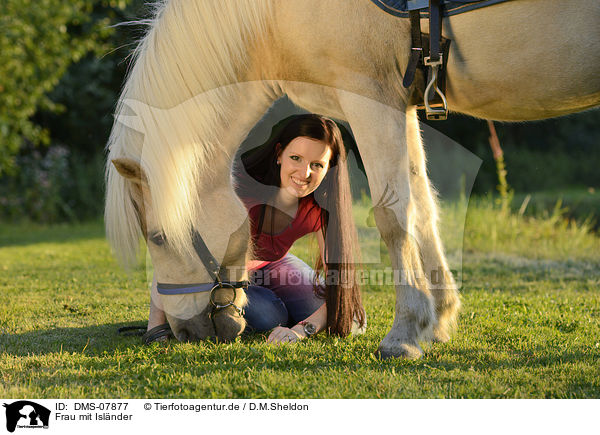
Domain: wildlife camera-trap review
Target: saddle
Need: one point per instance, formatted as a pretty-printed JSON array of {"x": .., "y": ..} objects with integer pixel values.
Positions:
[{"x": 429, "y": 52}]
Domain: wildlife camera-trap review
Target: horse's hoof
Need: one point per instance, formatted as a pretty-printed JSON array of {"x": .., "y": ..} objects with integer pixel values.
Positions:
[{"x": 404, "y": 350}]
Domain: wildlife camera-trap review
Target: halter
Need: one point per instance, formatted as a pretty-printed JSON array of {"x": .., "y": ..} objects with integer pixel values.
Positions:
[{"x": 214, "y": 270}]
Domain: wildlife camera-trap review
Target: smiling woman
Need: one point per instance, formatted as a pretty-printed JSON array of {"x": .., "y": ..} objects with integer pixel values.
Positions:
[
  {"x": 297, "y": 183},
  {"x": 304, "y": 163}
]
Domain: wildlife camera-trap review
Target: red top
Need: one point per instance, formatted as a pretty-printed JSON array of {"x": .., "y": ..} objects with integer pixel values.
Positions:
[{"x": 269, "y": 247}]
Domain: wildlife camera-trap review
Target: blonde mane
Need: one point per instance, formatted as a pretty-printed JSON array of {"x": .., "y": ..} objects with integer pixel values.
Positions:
[{"x": 176, "y": 96}]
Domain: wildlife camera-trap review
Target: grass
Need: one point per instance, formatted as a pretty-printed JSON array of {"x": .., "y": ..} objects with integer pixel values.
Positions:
[
  {"x": 530, "y": 325},
  {"x": 576, "y": 203}
]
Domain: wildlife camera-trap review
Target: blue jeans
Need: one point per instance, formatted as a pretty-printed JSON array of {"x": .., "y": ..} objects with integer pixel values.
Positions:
[{"x": 280, "y": 294}]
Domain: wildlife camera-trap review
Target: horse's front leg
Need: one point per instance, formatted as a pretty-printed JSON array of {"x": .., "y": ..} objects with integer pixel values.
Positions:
[
  {"x": 381, "y": 134},
  {"x": 438, "y": 275}
]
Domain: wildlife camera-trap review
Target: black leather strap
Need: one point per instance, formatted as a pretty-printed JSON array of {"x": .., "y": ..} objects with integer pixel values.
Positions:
[
  {"x": 216, "y": 272},
  {"x": 158, "y": 333},
  {"x": 416, "y": 51},
  {"x": 435, "y": 30},
  {"x": 210, "y": 263},
  {"x": 427, "y": 46}
]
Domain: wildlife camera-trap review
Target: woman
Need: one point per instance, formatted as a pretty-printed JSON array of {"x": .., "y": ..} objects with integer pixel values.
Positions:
[{"x": 295, "y": 184}]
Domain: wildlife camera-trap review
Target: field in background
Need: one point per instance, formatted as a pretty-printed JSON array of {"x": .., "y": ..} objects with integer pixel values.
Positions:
[{"x": 530, "y": 324}]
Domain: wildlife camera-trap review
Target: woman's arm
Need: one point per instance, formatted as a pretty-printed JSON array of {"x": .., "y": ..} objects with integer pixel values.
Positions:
[
  {"x": 318, "y": 318},
  {"x": 285, "y": 335}
]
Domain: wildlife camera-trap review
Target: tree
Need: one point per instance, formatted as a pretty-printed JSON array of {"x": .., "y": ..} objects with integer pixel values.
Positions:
[{"x": 39, "y": 39}]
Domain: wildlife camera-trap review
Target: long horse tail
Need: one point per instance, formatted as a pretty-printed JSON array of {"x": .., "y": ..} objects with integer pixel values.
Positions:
[{"x": 191, "y": 48}]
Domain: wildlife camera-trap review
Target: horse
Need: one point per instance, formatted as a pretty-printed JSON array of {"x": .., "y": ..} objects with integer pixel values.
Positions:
[{"x": 207, "y": 71}]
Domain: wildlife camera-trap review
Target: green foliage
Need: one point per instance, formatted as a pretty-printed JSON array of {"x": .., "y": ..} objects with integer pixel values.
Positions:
[
  {"x": 63, "y": 180},
  {"x": 35, "y": 191},
  {"x": 53, "y": 186},
  {"x": 550, "y": 235},
  {"x": 581, "y": 205},
  {"x": 550, "y": 154},
  {"x": 39, "y": 39},
  {"x": 531, "y": 170}
]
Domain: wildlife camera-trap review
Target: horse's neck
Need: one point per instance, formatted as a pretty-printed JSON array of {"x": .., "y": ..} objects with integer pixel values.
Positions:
[{"x": 242, "y": 106}]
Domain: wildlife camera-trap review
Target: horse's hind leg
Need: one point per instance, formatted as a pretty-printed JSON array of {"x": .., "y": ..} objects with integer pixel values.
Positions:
[
  {"x": 437, "y": 272},
  {"x": 380, "y": 133}
]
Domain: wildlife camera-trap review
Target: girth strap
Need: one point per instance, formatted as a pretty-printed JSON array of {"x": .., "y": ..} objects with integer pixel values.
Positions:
[{"x": 435, "y": 30}]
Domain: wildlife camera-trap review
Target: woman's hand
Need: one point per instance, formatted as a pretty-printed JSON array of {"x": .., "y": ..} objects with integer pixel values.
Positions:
[{"x": 283, "y": 335}]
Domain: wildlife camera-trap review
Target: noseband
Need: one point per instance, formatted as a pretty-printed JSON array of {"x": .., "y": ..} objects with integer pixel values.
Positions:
[{"x": 217, "y": 287}]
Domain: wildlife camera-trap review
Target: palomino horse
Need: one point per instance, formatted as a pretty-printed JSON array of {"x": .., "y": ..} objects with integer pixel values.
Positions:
[{"x": 206, "y": 72}]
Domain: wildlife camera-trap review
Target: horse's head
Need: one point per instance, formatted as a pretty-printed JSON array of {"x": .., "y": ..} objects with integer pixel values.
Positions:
[{"x": 191, "y": 314}]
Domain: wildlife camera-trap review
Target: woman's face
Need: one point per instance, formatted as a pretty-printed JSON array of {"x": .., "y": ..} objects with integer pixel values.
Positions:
[{"x": 303, "y": 165}]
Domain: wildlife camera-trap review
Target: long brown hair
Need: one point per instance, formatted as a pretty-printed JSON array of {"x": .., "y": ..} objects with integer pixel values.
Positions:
[{"x": 341, "y": 291}]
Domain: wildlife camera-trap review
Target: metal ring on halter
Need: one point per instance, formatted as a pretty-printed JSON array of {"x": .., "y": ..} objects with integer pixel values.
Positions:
[{"x": 219, "y": 307}]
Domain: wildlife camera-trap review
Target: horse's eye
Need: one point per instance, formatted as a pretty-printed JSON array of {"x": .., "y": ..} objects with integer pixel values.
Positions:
[{"x": 158, "y": 239}]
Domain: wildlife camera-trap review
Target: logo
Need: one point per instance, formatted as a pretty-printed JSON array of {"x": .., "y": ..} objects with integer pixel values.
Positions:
[{"x": 26, "y": 414}]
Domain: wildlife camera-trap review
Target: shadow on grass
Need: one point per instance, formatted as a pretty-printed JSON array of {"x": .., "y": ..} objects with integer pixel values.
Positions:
[
  {"x": 105, "y": 339},
  {"x": 96, "y": 340},
  {"x": 87, "y": 340}
]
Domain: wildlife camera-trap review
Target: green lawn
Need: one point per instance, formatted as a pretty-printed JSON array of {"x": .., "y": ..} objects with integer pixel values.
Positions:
[{"x": 530, "y": 325}]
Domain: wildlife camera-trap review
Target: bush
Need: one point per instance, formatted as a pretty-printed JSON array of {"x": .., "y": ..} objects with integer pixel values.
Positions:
[
  {"x": 53, "y": 185},
  {"x": 60, "y": 76}
]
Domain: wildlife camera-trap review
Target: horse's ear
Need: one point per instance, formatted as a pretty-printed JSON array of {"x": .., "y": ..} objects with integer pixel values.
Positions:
[
  {"x": 133, "y": 172},
  {"x": 130, "y": 170}
]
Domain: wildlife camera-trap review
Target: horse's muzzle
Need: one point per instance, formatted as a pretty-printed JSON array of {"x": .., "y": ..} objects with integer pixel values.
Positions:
[{"x": 228, "y": 323}]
